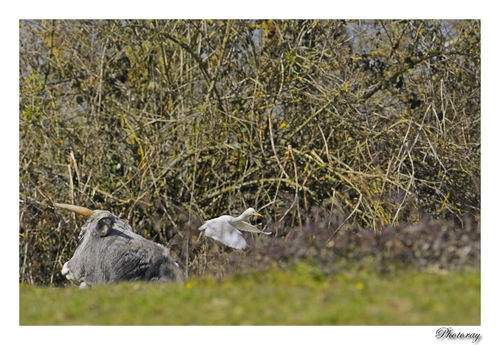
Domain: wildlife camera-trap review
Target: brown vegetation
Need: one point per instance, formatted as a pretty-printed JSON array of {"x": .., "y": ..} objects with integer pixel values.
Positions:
[{"x": 351, "y": 124}]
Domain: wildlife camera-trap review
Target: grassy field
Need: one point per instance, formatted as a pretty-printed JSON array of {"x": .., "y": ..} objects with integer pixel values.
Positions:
[{"x": 294, "y": 297}]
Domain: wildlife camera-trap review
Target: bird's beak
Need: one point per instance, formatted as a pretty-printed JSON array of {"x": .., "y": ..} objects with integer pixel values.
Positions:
[{"x": 257, "y": 214}]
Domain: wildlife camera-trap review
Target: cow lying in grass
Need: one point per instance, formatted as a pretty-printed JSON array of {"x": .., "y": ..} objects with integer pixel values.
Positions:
[{"x": 109, "y": 251}]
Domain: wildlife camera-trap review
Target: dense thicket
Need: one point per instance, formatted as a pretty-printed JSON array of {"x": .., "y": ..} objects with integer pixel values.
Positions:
[{"x": 167, "y": 123}]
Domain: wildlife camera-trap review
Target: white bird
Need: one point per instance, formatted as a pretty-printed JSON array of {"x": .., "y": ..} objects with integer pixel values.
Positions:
[{"x": 226, "y": 229}]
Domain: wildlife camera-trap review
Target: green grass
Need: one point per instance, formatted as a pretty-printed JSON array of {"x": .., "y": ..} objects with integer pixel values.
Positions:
[{"x": 275, "y": 297}]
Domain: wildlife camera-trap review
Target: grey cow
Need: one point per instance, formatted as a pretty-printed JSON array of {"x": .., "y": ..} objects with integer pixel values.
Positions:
[{"x": 109, "y": 252}]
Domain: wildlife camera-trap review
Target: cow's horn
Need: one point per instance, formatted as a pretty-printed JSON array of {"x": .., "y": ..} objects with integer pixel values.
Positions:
[{"x": 77, "y": 209}]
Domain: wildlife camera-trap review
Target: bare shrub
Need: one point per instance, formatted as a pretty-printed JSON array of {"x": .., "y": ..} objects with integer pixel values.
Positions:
[{"x": 167, "y": 123}]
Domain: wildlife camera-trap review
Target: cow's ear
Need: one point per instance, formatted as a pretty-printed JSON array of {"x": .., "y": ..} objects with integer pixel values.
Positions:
[{"x": 104, "y": 226}]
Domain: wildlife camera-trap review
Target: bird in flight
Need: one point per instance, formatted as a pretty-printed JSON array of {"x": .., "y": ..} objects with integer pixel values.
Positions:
[{"x": 226, "y": 229}]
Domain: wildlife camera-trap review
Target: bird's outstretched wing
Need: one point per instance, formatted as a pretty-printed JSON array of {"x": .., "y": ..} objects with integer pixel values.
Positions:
[
  {"x": 226, "y": 234},
  {"x": 244, "y": 226}
]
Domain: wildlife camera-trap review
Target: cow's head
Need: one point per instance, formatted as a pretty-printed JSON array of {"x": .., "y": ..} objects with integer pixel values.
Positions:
[{"x": 109, "y": 251}]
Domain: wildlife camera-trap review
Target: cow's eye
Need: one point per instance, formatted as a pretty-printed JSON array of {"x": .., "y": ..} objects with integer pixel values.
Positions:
[{"x": 104, "y": 226}]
